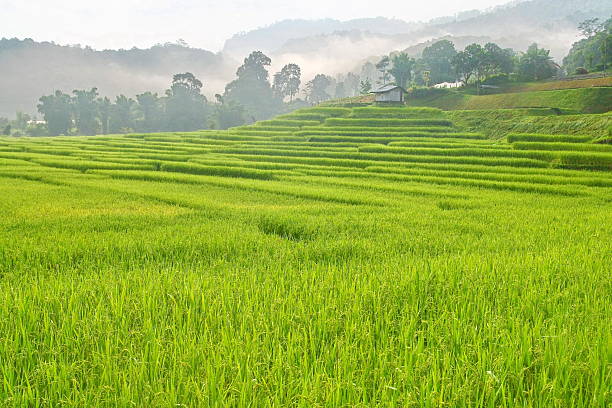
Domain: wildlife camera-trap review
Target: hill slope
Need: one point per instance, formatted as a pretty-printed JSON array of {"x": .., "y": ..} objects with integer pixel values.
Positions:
[{"x": 339, "y": 257}]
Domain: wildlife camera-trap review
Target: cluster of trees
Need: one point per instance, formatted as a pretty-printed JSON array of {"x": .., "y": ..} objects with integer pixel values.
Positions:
[
  {"x": 441, "y": 62},
  {"x": 183, "y": 107},
  {"x": 594, "y": 51}
]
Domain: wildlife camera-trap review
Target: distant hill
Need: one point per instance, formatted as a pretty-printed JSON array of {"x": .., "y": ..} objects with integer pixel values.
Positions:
[
  {"x": 332, "y": 47},
  {"x": 30, "y": 69}
]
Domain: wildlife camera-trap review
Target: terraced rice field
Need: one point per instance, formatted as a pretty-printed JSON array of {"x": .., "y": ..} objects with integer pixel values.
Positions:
[{"x": 330, "y": 257}]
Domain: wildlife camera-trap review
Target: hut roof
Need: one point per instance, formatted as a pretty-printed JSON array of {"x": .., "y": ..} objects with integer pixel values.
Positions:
[{"x": 387, "y": 88}]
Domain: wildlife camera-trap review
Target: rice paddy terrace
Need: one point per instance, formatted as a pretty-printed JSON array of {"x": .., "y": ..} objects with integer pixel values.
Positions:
[{"x": 329, "y": 257}]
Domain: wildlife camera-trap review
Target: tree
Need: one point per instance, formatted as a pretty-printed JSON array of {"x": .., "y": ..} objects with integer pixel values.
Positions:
[
  {"x": 122, "y": 115},
  {"x": 228, "y": 113},
  {"x": 369, "y": 72},
  {"x": 251, "y": 89},
  {"x": 85, "y": 107},
  {"x": 591, "y": 53},
  {"x": 470, "y": 62},
  {"x": 351, "y": 84},
  {"x": 57, "y": 112},
  {"x": 104, "y": 110},
  {"x": 536, "y": 64},
  {"x": 185, "y": 104},
  {"x": 149, "y": 106},
  {"x": 590, "y": 27},
  {"x": 382, "y": 67},
  {"x": 287, "y": 82},
  {"x": 497, "y": 60},
  {"x": 340, "y": 91},
  {"x": 402, "y": 69},
  {"x": 316, "y": 90},
  {"x": 438, "y": 60},
  {"x": 365, "y": 87}
]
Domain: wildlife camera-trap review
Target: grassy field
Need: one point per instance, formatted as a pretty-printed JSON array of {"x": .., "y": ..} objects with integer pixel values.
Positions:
[
  {"x": 582, "y": 100},
  {"x": 332, "y": 257}
]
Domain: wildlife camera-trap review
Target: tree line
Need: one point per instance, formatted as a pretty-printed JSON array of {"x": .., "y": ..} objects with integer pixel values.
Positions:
[{"x": 252, "y": 96}]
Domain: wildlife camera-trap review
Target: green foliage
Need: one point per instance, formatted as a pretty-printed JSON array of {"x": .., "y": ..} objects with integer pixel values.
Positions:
[
  {"x": 593, "y": 53},
  {"x": 437, "y": 59},
  {"x": 401, "y": 70},
  {"x": 251, "y": 89},
  {"x": 56, "y": 109},
  {"x": 287, "y": 82},
  {"x": 316, "y": 89},
  {"x": 536, "y": 64}
]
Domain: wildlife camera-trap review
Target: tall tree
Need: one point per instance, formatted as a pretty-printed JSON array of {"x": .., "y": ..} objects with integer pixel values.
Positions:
[
  {"x": 287, "y": 82},
  {"x": 351, "y": 84},
  {"x": 382, "y": 66},
  {"x": 150, "y": 109},
  {"x": 122, "y": 115},
  {"x": 57, "y": 112},
  {"x": 536, "y": 64},
  {"x": 185, "y": 105},
  {"x": 438, "y": 60},
  {"x": 470, "y": 63},
  {"x": 104, "y": 110},
  {"x": 316, "y": 90},
  {"x": 252, "y": 89},
  {"x": 402, "y": 69},
  {"x": 497, "y": 60},
  {"x": 85, "y": 108}
]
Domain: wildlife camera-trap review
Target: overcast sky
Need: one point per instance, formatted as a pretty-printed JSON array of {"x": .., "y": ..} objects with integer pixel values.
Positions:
[{"x": 202, "y": 23}]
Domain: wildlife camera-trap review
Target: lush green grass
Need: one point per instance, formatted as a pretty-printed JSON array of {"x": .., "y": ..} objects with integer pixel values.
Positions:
[
  {"x": 583, "y": 100},
  {"x": 223, "y": 269},
  {"x": 499, "y": 123}
]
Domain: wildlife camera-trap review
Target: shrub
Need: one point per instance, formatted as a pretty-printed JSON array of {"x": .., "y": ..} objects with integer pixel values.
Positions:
[{"x": 581, "y": 71}]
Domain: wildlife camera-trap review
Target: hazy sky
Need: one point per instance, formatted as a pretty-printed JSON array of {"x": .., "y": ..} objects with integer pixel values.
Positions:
[{"x": 202, "y": 23}]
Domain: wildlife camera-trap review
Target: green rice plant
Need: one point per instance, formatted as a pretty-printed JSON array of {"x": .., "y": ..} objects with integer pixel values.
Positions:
[
  {"x": 319, "y": 117},
  {"x": 506, "y": 177},
  {"x": 584, "y": 160},
  {"x": 523, "y": 137},
  {"x": 84, "y": 165},
  {"x": 365, "y": 129},
  {"x": 268, "y": 128},
  {"x": 590, "y": 147},
  {"x": 255, "y": 132},
  {"x": 286, "y": 122},
  {"x": 387, "y": 122},
  {"x": 397, "y": 113},
  {"x": 474, "y": 151},
  {"x": 373, "y": 134},
  {"x": 222, "y": 171},
  {"x": 327, "y": 110},
  {"x": 277, "y": 271}
]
